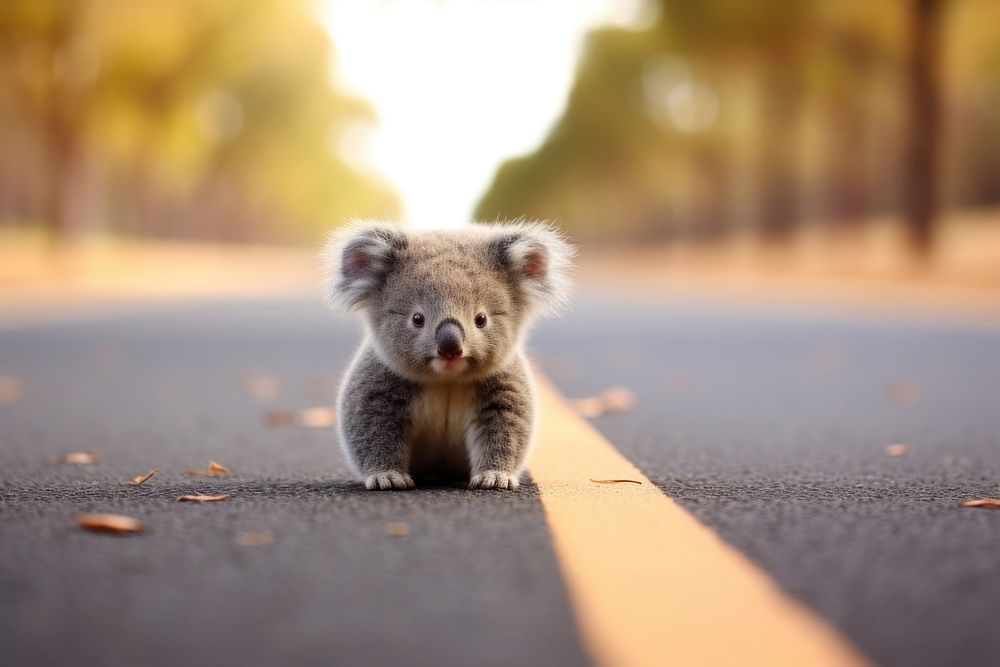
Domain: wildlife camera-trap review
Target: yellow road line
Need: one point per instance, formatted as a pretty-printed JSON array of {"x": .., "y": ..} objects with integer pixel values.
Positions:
[{"x": 649, "y": 584}]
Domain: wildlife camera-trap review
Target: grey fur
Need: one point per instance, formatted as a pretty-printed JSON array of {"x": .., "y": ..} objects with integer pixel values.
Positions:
[{"x": 403, "y": 411}]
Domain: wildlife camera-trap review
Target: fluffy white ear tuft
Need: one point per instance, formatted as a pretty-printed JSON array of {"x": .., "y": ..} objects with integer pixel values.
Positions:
[
  {"x": 538, "y": 260},
  {"x": 358, "y": 260}
]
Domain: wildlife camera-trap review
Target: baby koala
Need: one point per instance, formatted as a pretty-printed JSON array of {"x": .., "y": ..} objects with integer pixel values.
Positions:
[{"x": 440, "y": 386}]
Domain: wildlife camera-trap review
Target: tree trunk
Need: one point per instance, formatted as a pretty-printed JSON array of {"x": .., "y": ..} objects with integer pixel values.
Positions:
[
  {"x": 62, "y": 214},
  {"x": 777, "y": 181},
  {"x": 847, "y": 165},
  {"x": 922, "y": 153},
  {"x": 65, "y": 180}
]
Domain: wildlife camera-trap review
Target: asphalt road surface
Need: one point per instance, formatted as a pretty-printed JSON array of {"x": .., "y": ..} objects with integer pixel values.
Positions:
[{"x": 769, "y": 427}]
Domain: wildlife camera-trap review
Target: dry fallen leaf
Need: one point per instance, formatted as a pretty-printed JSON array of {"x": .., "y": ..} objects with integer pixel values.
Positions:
[
  {"x": 253, "y": 538},
  {"x": 896, "y": 450},
  {"x": 588, "y": 407},
  {"x": 214, "y": 470},
  {"x": 619, "y": 399},
  {"x": 110, "y": 523},
  {"x": 10, "y": 389},
  {"x": 398, "y": 529},
  {"x": 991, "y": 503},
  {"x": 317, "y": 417},
  {"x": 78, "y": 458},
  {"x": 309, "y": 417},
  {"x": 275, "y": 418},
  {"x": 261, "y": 385},
  {"x": 139, "y": 480},
  {"x": 615, "y": 481},
  {"x": 200, "y": 498},
  {"x": 217, "y": 468},
  {"x": 616, "y": 399}
]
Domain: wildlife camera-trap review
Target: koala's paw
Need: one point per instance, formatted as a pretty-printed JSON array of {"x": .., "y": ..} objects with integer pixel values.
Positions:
[
  {"x": 385, "y": 481},
  {"x": 494, "y": 479}
]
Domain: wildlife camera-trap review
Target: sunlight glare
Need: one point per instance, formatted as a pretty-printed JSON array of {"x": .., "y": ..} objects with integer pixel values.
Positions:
[{"x": 458, "y": 87}]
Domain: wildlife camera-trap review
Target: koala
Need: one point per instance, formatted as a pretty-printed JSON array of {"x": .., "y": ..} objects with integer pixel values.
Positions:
[{"x": 440, "y": 387}]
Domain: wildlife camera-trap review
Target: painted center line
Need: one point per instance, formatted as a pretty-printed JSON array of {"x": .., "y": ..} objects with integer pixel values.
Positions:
[{"x": 651, "y": 585}]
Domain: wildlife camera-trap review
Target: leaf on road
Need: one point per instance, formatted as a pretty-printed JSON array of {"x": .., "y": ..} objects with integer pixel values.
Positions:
[
  {"x": 262, "y": 386},
  {"x": 78, "y": 458},
  {"x": 214, "y": 470},
  {"x": 310, "y": 417},
  {"x": 397, "y": 529},
  {"x": 588, "y": 407},
  {"x": 10, "y": 389},
  {"x": 253, "y": 538},
  {"x": 217, "y": 468},
  {"x": 110, "y": 523},
  {"x": 139, "y": 480},
  {"x": 276, "y": 418},
  {"x": 317, "y": 417},
  {"x": 614, "y": 400},
  {"x": 896, "y": 450},
  {"x": 991, "y": 503},
  {"x": 200, "y": 498},
  {"x": 615, "y": 481}
]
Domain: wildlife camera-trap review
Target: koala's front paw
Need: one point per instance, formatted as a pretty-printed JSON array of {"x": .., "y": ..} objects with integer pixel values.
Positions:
[
  {"x": 384, "y": 481},
  {"x": 494, "y": 479}
]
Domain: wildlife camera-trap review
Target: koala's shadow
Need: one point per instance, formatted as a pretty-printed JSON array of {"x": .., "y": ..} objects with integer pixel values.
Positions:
[
  {"x": 309, "y": 489},
  {"x": 241, "y": 489},
  {"x": 348, "y": 487},
  {"x": 436, "y": 485}
]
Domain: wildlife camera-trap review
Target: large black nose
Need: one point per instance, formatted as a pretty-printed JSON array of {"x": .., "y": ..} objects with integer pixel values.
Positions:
[{"x": 449, "y": 340}]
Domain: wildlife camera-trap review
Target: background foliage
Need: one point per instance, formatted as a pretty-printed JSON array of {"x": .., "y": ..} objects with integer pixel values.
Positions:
[
  {"x": 195, "y": 118},
  {"x": 757, "y": 117}
]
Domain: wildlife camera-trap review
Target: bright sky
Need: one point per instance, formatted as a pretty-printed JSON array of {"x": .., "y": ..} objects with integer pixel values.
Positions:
[{"x": 459, "y": 86}]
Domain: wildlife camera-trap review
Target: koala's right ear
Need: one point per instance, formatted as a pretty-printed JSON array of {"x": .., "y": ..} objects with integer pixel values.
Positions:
[{"x": 358, "y": 260}]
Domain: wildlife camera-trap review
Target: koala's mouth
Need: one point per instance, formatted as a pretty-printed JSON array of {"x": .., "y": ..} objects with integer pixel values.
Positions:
[{"x": 443, "y": 366}]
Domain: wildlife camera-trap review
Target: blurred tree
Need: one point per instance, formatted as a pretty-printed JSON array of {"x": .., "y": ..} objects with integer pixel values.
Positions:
[
  {"x": 766, "y": 37},
  {"x": 208, "y": 118},
  {"x": 661, "y": 89},
  {"x": 605, "y": 145},
  {"x": 35, "y": 39},
  {"x": 769, "y": 115},
  {"x": 854, "y": 67},
  {"x": 970, "y": 99},
  {"x": 922, "y": 150},
  {"x": 698, "y": 48}
]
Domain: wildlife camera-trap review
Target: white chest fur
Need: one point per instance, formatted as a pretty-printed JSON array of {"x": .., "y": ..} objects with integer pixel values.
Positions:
[{"x": 440, "y": 419}]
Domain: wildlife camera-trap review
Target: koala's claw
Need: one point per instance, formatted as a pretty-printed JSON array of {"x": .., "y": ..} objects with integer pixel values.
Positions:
[
  {"x": 385, "y": 481},
  {"x": 494, "y": 479}
]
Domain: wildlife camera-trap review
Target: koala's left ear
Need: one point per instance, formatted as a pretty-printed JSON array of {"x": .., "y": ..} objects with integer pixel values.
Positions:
[
  {"x": 358, "y": 261},
  {"x": 537, "y": 258}
]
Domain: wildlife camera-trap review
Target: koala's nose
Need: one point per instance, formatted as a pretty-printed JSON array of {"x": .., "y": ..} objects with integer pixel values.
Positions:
[{"x": 449, "y": 340}]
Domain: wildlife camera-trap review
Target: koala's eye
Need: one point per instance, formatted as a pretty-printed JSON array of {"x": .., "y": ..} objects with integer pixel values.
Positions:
[
  {"x": 418, "y": 320},
  {"x": 481, "y": 320}
]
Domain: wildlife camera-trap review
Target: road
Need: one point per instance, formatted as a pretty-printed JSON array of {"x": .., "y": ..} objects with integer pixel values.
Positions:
[{"x": 769, "y": 427}]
